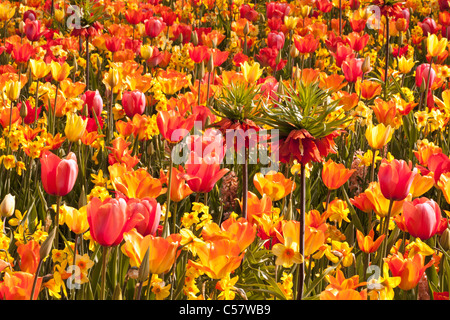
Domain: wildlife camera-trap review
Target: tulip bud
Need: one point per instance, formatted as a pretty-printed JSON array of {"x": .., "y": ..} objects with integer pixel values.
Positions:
[
  {"x": 23, "y": 110},
  {"x": 194, "y": 38},
  {"x": 144, "y": 269},
  {"x": 210, "y": 65},
  {"x": 246, "y": 29},
  {"x": 294, "y": 51},
  {"x": 117, "y": 295},
  {"x": 366, "y": 65},
  {"x": 201, "y": 70},
  {"x": 445, "y": 239},
  {"x": 7, "y": 206},
  {"x": 46, "y": 246}
]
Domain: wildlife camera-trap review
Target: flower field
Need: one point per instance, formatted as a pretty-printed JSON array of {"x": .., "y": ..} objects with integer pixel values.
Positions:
[{"x": 224, "y": 150}]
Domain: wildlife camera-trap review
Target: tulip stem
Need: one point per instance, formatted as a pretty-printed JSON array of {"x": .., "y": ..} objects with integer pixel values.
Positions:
[
  {"x": 245, "y": 185},
  {"x": 386, "y": 231},
  {"x": 301, "y": 266},
  {"x": 33, "y": 289},
  {"x": 105, "y": 253},
  {"x": 169, "y": 186},
  {"x": 74, "y": 260},
  {"x": 36, "y": 103},
  {"x": 58, "y": 205},
  {"x": 386, "y": 68}
]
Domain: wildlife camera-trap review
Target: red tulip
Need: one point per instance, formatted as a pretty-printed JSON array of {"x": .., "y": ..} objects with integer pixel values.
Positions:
[
  {"x": 307, "y": 44},
  {"x": 422, "y": 217},
  {"x": 422, "y": 72},
  {"x": 324, "y": 5},
  {"x": 395, "y": 179},
  {"x": 58, "y": 175},
  {"x": 342, "y": 52},
  {"x": 134, "y": 17},
  {"x": 29, "y": 15},
  {"x": 202, "y": 173},
  {"x": 150, "y": 210},
  {"x": 32, "y": 30},
  {"x": 173, "y": 126},
  {"x": 357, "y": 42},
  {"x": 428, "y": 26},
  {"x": 199, "y": 54},
  {"x": 110, "y": 219},
  {"x": 352, "y": 69},
  {"x": 277, "y": 10},
  {"x": 248, "y": 12},
  {"x": 22, "y": 53},
  {"x": 275, "y": 40},
  {"x": 113, "y": 44},
  {"x": 94, "y": 102},
  {"x": 133, "y": 102},
  {"x": 153, "y": 27}
]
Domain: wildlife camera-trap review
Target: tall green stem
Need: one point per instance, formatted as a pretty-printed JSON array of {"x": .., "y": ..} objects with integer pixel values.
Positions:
[{"x": 301, "y": 266}]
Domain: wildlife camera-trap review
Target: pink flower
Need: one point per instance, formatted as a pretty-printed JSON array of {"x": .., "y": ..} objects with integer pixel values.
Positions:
[
  {"x": 352, "y": 68},
  {"x": 422, "y": 75},
  {"x": 94, "y": 102},
  {"x": 58, "y": 175},
  {"x": 133, "y": 102},
  {"x": 422, "y": 217},
  {"x": 110, "y": 219},
  {"x": 395, "y": 179},
  {"x": 202, "y": 173},
  {"x": 150, "y": 210}
]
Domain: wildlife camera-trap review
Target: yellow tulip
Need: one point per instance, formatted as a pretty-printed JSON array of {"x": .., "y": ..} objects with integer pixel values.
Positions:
[
  {"x": 75, "y": 127},
  {"x": 251, "y": 72},
  {"x": 60, "y": 72},
  {"x": 436, "y": 47},
  {"x": 39, "y": 68},
  {"x": 76, "y": 220},
  {"x": 291, "y": 22},
  {"x": 12, "y": 90},
  {"x": 405, "y": 65},
  {"x": 7, "y": 206},
  {"x": 6, "y": 11},
  {"x": 146, "y": 51},
  {"x": 378, "y": 136}
]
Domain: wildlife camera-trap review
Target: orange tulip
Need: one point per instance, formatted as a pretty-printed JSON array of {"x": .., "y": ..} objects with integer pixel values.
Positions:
[
  {"x": 18, "y": 286},
  {"x": 218, "y": 258},
  {"x": 134, "y": 184},
  {"x": 385, "y": 112},
  {"x": 173, "y": 126},
  {"x": 347, "y": 294},
  {"x": 257, "y": 207},
  {"x": 29, "y": 256},
  {"x": 335, "y": 175},
  {"x": 162, "y": 252},
  {"x": 362, "y": 202},
  {"x": 409, "y": 269},
  {"x": 273, "y": 184},
  {"x": 368, "y": 89},
  {"x": 367, "y": 243},
  {"x": 179, "y": 188},
  {"x": 239, "y": 230},
  {"x": 380, "y": 203}
]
